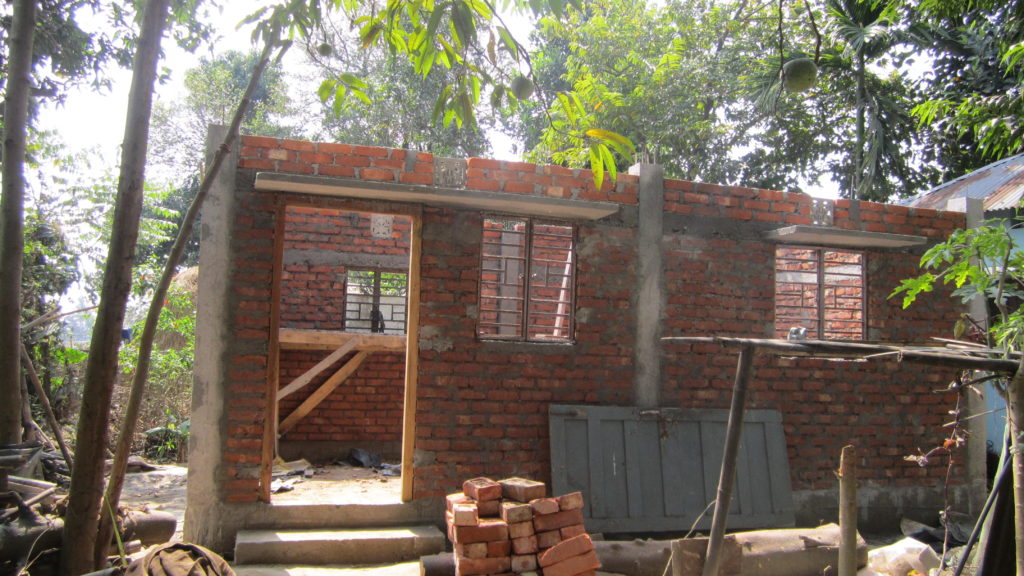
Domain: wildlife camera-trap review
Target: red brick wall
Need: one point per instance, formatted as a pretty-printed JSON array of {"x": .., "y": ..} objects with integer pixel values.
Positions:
[
  {"x": 365, "y": 410},
  {"x": 482, "y": 406}
]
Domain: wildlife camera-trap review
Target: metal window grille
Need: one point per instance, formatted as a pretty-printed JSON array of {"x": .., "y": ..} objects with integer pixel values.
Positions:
[
  {"x": 527, "y": 279},
  {"x": 823, "y": 291},
  {"x": 375, "y": 301}
]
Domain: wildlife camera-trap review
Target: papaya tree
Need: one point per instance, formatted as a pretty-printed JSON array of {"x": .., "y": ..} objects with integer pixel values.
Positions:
[{"x": 987, "y": 262}]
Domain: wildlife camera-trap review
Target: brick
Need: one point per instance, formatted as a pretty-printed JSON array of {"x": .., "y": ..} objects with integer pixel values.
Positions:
[
  {"x": 465, "y": 514},
  {"x": 521, "y": 489},
  {"x": 557, "y": 520},
  {"x": 482, "y": 489},
  {"x": 525, "y": 545},
  {"x": 544, "y": 506},
  {"x": 499, "y": 548},
  {"x": 548, "y": 539},
  {"x": 566, "y": 549},
  {"x": 486, "y": 531},
  {"x": 571, "y": 501},
  {"x": 524, "y": 563},
  {"x": 489, "y": 508},
  {"x": 521, "y": 529},
  {"x": 474, "y": 550},
  {"x": 515, "y": 512},
  {"x": 571, "y": 531},
  {"x": 574, "y": 566},
  {"x": 481, "y": 566}
]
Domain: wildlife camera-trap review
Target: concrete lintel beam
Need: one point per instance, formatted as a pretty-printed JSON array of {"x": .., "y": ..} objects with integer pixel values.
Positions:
[
  {"x": 437, "y": 196},
  {"x": 837, "y": 237}
]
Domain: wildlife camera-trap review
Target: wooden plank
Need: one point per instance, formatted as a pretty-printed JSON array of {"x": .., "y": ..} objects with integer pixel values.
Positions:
[
  {"x": 296, "y": 339},
  {"x": 313, "y": 372},
  {"x": 673, "y": 456},
  {"x": 269, "y": 447},
  {"x": 733, "y": 432},
  {"x": 634, "y": 476},
  {"x": 412, "y": 356},
  {"x": 322, "y": 392}
]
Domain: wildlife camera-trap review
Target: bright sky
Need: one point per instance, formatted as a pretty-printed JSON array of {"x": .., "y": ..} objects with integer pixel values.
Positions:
[{"x": 91, "y": 120}]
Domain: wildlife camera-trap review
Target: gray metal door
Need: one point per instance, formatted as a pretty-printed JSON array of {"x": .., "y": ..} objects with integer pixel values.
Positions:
[{"x": 657, "y": 470}]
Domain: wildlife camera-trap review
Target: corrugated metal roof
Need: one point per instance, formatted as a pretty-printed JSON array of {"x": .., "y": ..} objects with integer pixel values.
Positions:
[{"x": 1000, "y": 183}]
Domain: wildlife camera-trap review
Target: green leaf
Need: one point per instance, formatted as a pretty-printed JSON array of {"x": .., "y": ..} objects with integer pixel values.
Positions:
[
  {"x": 353, "y": 81},
  {"x": 621, "y": 144},
  {"x": 509, "y": 43},
  {"x": 326, "y": 89},
  {"x": 597, "y": 164}
]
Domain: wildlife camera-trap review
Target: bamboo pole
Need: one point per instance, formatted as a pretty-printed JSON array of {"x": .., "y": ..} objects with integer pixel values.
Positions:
[
  {"x": 51, "y": 419},
  {"x": 733, "y": 433},
  {"x": 848, "y": 512}
]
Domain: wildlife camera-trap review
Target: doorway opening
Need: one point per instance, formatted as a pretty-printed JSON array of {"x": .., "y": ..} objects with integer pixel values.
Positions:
[{"x": 345, "y": 293}]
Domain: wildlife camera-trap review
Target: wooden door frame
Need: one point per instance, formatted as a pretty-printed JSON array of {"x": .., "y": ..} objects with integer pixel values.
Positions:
[{"x": 415, "y": 214}]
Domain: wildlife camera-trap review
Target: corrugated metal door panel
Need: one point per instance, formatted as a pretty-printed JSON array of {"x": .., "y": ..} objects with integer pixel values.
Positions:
[{"x": 657, "y": 470}]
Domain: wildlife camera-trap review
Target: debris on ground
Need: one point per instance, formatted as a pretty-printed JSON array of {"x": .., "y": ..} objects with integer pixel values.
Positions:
[{"x": 903, "y": 557}]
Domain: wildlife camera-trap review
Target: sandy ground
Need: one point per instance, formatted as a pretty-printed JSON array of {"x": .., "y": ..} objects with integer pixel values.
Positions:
[{"x": 164, "y": 488}]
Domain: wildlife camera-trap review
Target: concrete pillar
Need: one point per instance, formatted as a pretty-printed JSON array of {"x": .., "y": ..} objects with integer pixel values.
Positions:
[
  {"x": 209, "y": 427},
  {"x": 650, "y": 293},
  {"x": 976, "y": 427}
]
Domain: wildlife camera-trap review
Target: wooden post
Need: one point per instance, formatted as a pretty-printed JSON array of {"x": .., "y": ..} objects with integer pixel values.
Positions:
[
  {"x": 728, "y": 474},
  {"x": 848, "y": 512}
]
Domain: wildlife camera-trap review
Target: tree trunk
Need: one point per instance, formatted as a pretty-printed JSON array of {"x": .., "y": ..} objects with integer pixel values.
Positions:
[
  {"x": 1015, "y": 398},
  {"x": 12, "y": 208},
  {"x": 111, "y": 498},
  {"x": 101, "y": 371},
  {"x": 858, "y": 152}
]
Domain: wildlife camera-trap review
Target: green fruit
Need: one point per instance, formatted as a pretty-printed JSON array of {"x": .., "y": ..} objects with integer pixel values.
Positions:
[
  {"x": 522, "y": 87},
  {"x": 799, "y": 74},
  {"x": 325, "y": 49}
]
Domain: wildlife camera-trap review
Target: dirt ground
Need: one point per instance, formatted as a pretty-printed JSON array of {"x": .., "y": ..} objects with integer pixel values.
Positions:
[{"x": 164, "y": 488}]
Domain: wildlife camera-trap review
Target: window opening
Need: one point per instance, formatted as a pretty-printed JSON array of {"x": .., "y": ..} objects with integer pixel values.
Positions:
[
  {"x": 375, "y": 301},
  {"x": 821, "y": 291},
  {"x": 527, "y": 278}
]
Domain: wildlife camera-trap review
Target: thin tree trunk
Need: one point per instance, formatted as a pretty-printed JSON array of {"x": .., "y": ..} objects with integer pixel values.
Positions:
[
  {"x": 111, "y": 498},
  {"x": 12, "y": 209},
  {"x": 81, "y": 521},
  {"x": 858, "y": 152},
  {"x": 1015, "y": 398}
]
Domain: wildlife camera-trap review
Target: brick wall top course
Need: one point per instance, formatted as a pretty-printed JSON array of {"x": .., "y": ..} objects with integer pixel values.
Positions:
[{"x": 682, "y": 197}]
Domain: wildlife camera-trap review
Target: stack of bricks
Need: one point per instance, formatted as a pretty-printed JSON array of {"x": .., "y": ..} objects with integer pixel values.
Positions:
[{"x": 510, "y": 527}]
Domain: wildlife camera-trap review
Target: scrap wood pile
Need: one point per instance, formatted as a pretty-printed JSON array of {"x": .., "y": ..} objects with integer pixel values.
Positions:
[{"x": 511, "y": 527}]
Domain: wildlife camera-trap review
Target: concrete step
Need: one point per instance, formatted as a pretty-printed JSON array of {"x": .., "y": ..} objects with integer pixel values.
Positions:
[
  {"x": 337, "y": 547},
  {"x": 403, "y": 569}
]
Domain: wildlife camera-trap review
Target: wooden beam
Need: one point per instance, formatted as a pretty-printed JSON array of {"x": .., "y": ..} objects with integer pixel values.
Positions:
[
  {"x": 733, "y": 433},
  {"x": 324, "y": 364},
  {"x": 269, "y": 448},
  {"x": 322, "y": 392},
  {"x": 411, "y": 358},
  {"x": 294, "y": 339}
]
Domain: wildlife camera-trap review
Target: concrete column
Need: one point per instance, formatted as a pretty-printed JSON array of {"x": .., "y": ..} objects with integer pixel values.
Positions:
[
  {"x": 650, "y": 293},
  {"x": 209, "y": 427},
  {"x": 976, "y": 427}
]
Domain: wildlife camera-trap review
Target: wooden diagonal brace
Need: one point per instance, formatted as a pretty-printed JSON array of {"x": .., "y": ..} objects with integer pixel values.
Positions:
[
  {"x": 306, "y": 378},
  {"x": 321, "y": 393}
]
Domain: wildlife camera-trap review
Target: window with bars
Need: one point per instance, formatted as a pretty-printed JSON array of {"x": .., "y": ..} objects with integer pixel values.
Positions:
[
  {"x": 375, "y": 301},
  {"x": 527, "y": 280},
  {"x": 822, "y": 291}
]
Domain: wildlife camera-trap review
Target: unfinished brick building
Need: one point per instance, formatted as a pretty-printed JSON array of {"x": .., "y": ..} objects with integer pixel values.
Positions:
[{"x": 482, "y": 318}]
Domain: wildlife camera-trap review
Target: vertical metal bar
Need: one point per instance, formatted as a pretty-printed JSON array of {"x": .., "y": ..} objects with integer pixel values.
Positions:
[
  {"x": 527, "y": 285},
  {"x": 733, "y": 433},
  {"x": 819, "y": 261}
]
